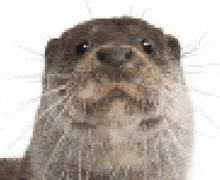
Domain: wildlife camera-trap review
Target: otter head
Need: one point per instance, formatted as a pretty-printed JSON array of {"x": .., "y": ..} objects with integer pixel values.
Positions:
[{"x": 114, "y": 104}]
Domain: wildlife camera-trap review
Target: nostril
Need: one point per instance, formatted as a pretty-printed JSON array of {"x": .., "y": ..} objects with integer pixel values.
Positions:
[
  {"x": 128, "y": 55},
  {"x": 62, "y": 92},
  {"x": 101, "y": 56}
]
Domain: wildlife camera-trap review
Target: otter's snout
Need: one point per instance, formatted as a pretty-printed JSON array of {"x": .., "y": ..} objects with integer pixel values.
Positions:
[{"x": 114, "y": 56}]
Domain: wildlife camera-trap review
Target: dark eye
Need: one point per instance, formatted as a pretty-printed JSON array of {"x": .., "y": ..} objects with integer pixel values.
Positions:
[
  {"x": 147, "y": 46},
  {"x": 82, "y": 47}
]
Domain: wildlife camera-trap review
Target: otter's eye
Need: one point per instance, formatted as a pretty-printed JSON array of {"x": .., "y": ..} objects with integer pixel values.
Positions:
[
  {"x": 82, "y": 47},
  {"x": 147, "y": 46}
]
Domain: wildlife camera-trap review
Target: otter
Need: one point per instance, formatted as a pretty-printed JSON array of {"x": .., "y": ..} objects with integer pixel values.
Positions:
[{"x": 114, "y": 105}]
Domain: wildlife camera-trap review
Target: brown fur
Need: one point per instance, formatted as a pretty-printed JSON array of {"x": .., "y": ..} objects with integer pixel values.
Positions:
[{"x": 96, "y": 120}]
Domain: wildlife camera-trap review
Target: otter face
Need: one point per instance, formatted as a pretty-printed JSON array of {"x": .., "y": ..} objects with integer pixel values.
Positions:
[{"x": 113, "y": 104}]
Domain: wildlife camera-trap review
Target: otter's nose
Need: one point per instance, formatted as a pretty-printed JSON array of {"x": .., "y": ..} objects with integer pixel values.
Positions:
[{"x": 114, "y": 56}]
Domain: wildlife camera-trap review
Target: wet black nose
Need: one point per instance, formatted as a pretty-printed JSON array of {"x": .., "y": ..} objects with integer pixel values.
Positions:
[{"x": 114, "y": 56}]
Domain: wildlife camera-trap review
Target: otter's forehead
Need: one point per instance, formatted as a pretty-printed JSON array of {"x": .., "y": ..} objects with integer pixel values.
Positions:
[
  {"x": 94, "y": 36},
  {"x": 103, "y": 30}
]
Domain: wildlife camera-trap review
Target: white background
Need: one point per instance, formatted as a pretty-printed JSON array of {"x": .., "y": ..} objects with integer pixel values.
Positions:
[{"x": 27, "y": 25}]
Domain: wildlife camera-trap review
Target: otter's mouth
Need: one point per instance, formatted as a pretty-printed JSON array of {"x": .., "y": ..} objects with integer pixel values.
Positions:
[
  {"x": 93, "y": 92},
  {"x": 117, "y": 93},
  {"x": 116, "y": 102}
]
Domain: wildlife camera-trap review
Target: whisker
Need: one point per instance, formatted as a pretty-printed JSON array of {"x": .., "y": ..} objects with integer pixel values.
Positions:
[
  {"x": 194, "y": 46},
  {"x": 205, "y": 93},
  {"x": 130, "y": 10},
  {"x": 19, "y": 138},
  {"x": 89, "y": 9},
  {"x": 169, "y": 150},
  {"x": 59, "y": 145},
  {"x": 35, "y": 77},
  {"x": 208, "y": 118},
  {"x": 29, "y": 50},
  {"x": 143, "y": 13},
  {"x": 193, "y": 72},
  {"x": 171, "y": 132},
  {"x": 50, "y": 92},
  {"x": 59, "y": 116},
  {"x": 28, "y": 76},
  {"x": 202, "y": 134},
  {"x": 37, "y": 59},
  {"x": 64, "y": 76},
  {"x": 23, "y": 105},
  {"x": 186, "y": 55},
  {"x": 203, "y": 65},
  {"x": 51, "y": 108}
]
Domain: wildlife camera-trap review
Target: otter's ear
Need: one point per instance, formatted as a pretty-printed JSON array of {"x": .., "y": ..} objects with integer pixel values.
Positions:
[
  {"x": 50, "y": 51},
  {"x": 172, "y": 48}
]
